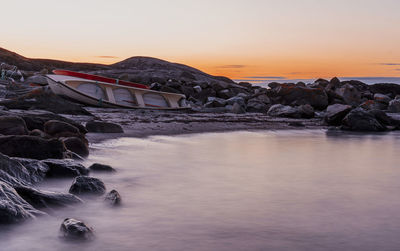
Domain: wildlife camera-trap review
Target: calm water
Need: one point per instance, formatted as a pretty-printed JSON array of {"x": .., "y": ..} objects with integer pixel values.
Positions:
[{"x": 286, "y": 190}]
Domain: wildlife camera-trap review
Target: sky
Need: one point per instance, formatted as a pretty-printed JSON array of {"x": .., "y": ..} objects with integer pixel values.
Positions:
[{"x": 241, "y": 39}]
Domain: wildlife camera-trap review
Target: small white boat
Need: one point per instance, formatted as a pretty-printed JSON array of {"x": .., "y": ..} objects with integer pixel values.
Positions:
[{"x": 102, "y": 94}]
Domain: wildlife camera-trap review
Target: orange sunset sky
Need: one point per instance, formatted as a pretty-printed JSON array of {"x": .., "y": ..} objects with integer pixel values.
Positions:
[{"x": 237, "y": 38}]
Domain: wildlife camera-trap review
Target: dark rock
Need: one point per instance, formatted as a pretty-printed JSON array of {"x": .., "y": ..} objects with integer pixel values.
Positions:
[
  {"x": 205, "y": 94},
  {"x": 13, "y": 208},
  {"x": 31, "y": 147},
  {"x": 155, "y": 86},
  {"x": 384, "y": 119},
  {"x": 60, "y": 128},
  {"x": 87, "y": 185},
  {"x": 256, "y": 106},
  {"x": 12, "y": 125},
  {"x": 39, "y": 133},
  {"x": 45, "y": 199},
  {"x": 373, "y": 105},
  {"x": 335, "y": 114},
  {"x": 381, "y": 98},
  {"x": 335, "y": 81},
  {"x": 225, "y": 94},
  {"x": 237, "y": 99},
  {"x": 72, "y": 229},
  {"x": 393, "y": 89},
  {"x": 273, "y": 85},
  {"x": 237, "y": 109},
  {"x": 101, "y": 168},
  {"x": 394, "y": 105},
  {"x": 76, "y": 145},
  {"x": 64, "y": 168},
  {"x": 113, "y": 198},
  {"x": 103, "y": 127},
  {"x": 350, "y": 94},
  {"x": 245, "y": 84},
  {"x": 306, "y": 111},
  {"x": 279, "y": 110},
  {"x": 361, "y": 120},
  {"x": 215, "y": 102},
  {"x": 296, "y": 124},
  {"x": 296, "y": 95},
  {"x": 197, "y": 88},
  {"x": 13, "y": 172},
  {"x": 37, "y": 169}
]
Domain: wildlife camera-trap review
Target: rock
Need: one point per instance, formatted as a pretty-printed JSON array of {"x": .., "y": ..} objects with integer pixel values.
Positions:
[
  {"x": 288, "y": 94},
  {"x": 225, "y": 94},
  {"x": 335, "y": 114},
  {"x": 155, "y": 86},
  {"x": 31, "y": 147},
  {"x": 103, "y": 127},
  {"x": 273, "y": 85},
  {"x": 393, "y": 89},
  {"x": 215, "y": 102},
  {"x": 306, "y": 111},
  {"x": 373, "y": 105},
  {"x": 381, "y": 98},
  {"x": 335, "y": 81},
  {"x": 60, "y": 128},
  {"x": 12, "y": 125},
  {"x": 238, "y": 109},
  {"x": 394, "y": 105},
  {"x": 44, "y": 199},
  {"x": 384, "y": 119},
  {"x": 279, "y": 110},
  {"x": 13, "y": 172},
  {"x": 101, "y": 168},
  {"x": 361, "y": 120},
  {"x": 256, "y": 106},
  {"x": 76, "y": 145},
  {"x": 39, "y": 133},
  {"x": 349, "y": 94},
  {"x": 113, "y": 198},
  {"x": 72, "y": 229},
  {"x": 197, "y": 88},
  {"x": 37, "y": 169},
  {"x": 236, "y": 99},
  {"x": 13, "y": 208},
  {"x": 64, "y": 168},
  {"x": 87, "y": 185},
  {"x": 296, "y": 124},
  {"x": 245, "y": 84}
]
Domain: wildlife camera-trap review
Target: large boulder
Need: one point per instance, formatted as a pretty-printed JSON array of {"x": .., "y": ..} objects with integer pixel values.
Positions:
[
  {"x": 287, "y": 94},
  {"x": 31, "y": 147},
  {"x": 13, "y": 208},
  {"x": 72, "y": 229},
  {"x": 12, "y": 125},
  {"x": 103, "y": 127},
  {"x": 59, "y": 128},
  {"x": 45, "y": 199},
  {"x": 64, "y": 168},
  {"x": 37, "y": 169},
  {"x": 87, "y": 185},
  {"x": 362, "y": 120},
  {"x": 350, "y": 94},
  {"x": 76, "y": 145},
  {"x": 13, "y": 172},
  {"x": 335, "y": 113}
]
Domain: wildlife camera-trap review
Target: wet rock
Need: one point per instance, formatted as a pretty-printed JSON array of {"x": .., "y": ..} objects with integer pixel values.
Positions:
[
  {"x": 87, "y": 185},
  {"x": 76, "y": 145},
  {"x": 13, "y": 172},
  {"x": 103, "y": 127},
  {"x": 45, "y": 199},
  {"x": 381, "y": 98},
  {"x": 12, "y": 125},
  {"x": 279, "y": 110},
  {"x": 72, "y": 229},
  {"x": 288, "y": 94},
  {"x": 335, "y": 114},
  {"x": 361, "y": 120},
  {"x": 31, "y": 147},
  {"x": 37, "y": 169},
  {"x": 113, "y": 198},
  {"x": 373, "y": 105},
  {"x": 13, "y": 208},
  {"x": 384, "y": 119},
  {"x": 60, "y": 128},
  {"x": 101, "y": 168},
  {"x": 349, "y": 94},
  {"x": 394, "y": 105},
  {"x": 64, "y": 168}
]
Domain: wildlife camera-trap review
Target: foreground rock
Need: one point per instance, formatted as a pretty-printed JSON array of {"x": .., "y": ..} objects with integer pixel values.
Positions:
[
  {"x": 31, "y": 147},
  {"x": 113, "y": 198},
  {"x": 13, "y": 172},
  {"x": 335, "y": 113},
  {"x": 76, "y": 145},
  {"x": 72, "y": 229},
  {"x": 302, "y": 111},
  {"x": 13, "y": 208},
  {"x": 12, "y": 125},
  {"x": 45, "y": 199},
  {"x": 103, "y": 127},
  {"x": 101, "y": 168},
  {"x": 87, "y": 185},
  {"x": 361, "y": 120},
  {"x": 64, "y": 168}
]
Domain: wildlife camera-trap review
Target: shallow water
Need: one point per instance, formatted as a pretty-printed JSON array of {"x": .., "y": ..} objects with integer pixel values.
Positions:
[{"x": 284, "y": 190}]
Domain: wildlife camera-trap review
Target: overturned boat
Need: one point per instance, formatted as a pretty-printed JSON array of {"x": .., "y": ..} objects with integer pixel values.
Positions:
[{"x": 106, "y": 92}]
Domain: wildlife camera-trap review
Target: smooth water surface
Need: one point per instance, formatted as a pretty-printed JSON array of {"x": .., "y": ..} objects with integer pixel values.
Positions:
[{"x": 284, "y": 190}]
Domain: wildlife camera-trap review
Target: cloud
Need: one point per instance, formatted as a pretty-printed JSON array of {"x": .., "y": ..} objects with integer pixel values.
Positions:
[
  {"x": 389, "y": 64},
  {"x": 231, "y": 66},
  {"x": 106, "y": 57},
  {"x": 397, "y": 69},
  {"x": 265, "y": 77}
]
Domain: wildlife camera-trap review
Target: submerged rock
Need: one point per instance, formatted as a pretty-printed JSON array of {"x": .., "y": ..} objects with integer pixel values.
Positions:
[
  {"x": 12, "y": 125},
  {"x": 13, "y": 208},
  {"x": 64, "y": 168},
  {"x": 72, "y": 229},
  {"x": 31, "y": 147},
  {"x": 101, "y": 168},
  {"x": 361, "y": 120},
  {"x": 113, "y": 198},
  {"x": 103, "y": 127},
  {"x": 87, "y": 185}
]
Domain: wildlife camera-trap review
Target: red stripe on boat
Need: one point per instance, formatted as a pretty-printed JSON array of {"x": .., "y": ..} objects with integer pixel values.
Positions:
[{"x": 98, "y": 78}]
